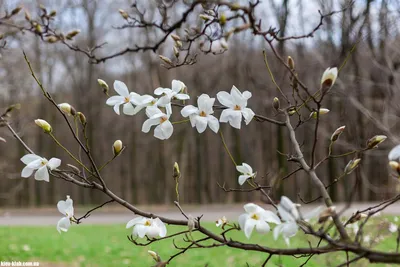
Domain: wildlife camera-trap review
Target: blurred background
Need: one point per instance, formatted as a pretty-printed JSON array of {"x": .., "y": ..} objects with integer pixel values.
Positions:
[{"x": 365, "y": 99}]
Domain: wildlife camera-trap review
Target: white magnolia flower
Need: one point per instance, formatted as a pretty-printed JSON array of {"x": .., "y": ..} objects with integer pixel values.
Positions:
[
  {"x": 237, "y": 107},
  {"x": 247, "y": 172},
  {"x": 34, "y": 162},
  {"x": 257, "y": 217},
  {"x": 290, "y": 214},
  {"x": 148, "y": 101},
  {"x": 144, "y": 226},
  {"x": 175, "y": 92},
  {"x": 394, "y": 154},
  {"x": 124, "y": 98},
  {"x": 201, "y": 116},
  {"x": 164, "y": 127},
  {"x": 329, "y": 77},
  {"x": 65, "y": 207},
  {"x": 392, "y": 227}
]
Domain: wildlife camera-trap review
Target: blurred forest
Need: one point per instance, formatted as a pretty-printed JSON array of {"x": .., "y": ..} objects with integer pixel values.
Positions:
[{"x": 365, "y": 99}]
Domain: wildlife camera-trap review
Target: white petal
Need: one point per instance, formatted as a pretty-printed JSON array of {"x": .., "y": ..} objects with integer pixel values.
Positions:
[
  {"x": 234, "y": 117},
  {"x": 201, "y": 124},
  {"x": 36, "y": 164},
  {"x": 394, "y": 154},
  {"x": 313, "y": 214},
  {"x": 42, "y": 174},
  {"x": 63, "y": 224},
  {"x": 242, "y": 220},
  {"x": 189, "y": 110},
  {"x": 161, "y": 90},
  {"x": 62, "y": 206},
  {"x": 262, "y": 227},
  {"x": 249, "y": 226},
  {"x": 252, "y": 208},
  {"x": 242, "y": 179},
  {"x": 248, "y": 168},
  {"x": 163, "y": 101},
  {"x": 177, "y": 86},
  {"x": 26, "y": 172},
  {"x": 225, "y": 99},
  {"x": 28, "y": 158},
  {"x": 248, "y": 115},
  {"x": 168, "y": 108},
  {"x": 135, "y": 221},
  {"x": 128, "y": 109},
  {"x": 116, "y": 108},
  {"x": 269, "y": 216},
  {"x": 114, "y": 100},
  {"x": 237, "y": 97},
  {"x": 205, "y": 103},
  {"x": 152, "y": 231},
  {"x": 182, "y": 96},
  {"x": 289, "y": 229},
  {"x": 164, "y": 130},
  {"x": 121, "y": 88},
  {"x": 54, "y": 163},
  {"x": 152, "y": 111},
  {"x": 140, "y": 230},
  {"x": 277, "y": 230},
  {"x": 137, "y": 109},
  {"x": 69, "y": 208},
  {"x": 148, "y": 123},
  {"x": 161, "y": 226},
  {"x": 213, "y": 123},
  {"x": 241, "y": 168},
  {"x": 246, "y": 95}
]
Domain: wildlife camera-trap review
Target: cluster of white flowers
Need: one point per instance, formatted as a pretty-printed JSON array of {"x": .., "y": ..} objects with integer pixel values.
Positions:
[{"x": 159, "y": 110}]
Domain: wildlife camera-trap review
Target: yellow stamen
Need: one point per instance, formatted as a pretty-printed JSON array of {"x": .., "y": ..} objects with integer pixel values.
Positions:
[
  {"x": 127, "y": 100},
  {"x": 162, "y": 119},
  {"x": 237, "y": 107},
  {"x": 203, "y": 114},
  {"x": 147, "y": 223},
  {"x": 255, "y": 217}
]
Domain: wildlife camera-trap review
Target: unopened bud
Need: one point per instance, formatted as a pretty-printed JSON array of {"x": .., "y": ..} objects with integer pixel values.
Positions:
[
  {"x": 223, "y": 44},
  {"x": 53, "y": 13},
  {"x": 175, "y": 37},
  {"x": 290, "y": 62},
  {"x": 3, "y": 140},
  {"x": 336, "y": 134},
  {"x": 67, "y": 109},
  {"x": 375, "y": 141},
  {"x": 176, "y": 172},
  {"x": 178, "y": 44},
  {"x": 52, "y": 39},
  {"x": 222, "y": 19},
  {"x": 324, "y": 215},
  {"x": 191, "y": 223},
  {"x": 154, "y": 255},
  {"x": 38, "y": 28},
  {"x": 205, "y": 17},
  {"x": 292, "y": 111},
  {"x": 165, "y": 59},
  {"x": 176, "y": 51},
  {"x": 74, "y": 168},
  {"x": 27, "y": 15},
  {"x": 117, "y": 147},
  {"x": 82, "y": 118},
  {"x": 104, "y": 86},
  {"x": 357, "y": 217},
  {"x": 72, "y": 34},
  {"x": 44, "y": 125},
  {"x": 276, "y": 104},
  {"x": 395, "y": 166},
  {"x": 123, "y": 13},
  {"x": 15, "y": 11},
  {"x": 351, "y": 166},
  {"x": 221, "y": 222},
  {"x": 322, "y": 111}
]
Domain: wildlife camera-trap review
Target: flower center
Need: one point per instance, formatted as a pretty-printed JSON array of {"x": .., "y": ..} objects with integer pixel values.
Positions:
[
  {"x": 43, "y": 163},
  {"x": 152, "y": 102},
  {"x": 163, "y": 119},
  {"x": 328, "y": 82},
  {"x": 255, "y": 217},
  {"x": 203, "y": 114},
  {"x": 147, "y": 223},
  {"x": 127, "y": 100},
  {"x": 237, "y": 107}
]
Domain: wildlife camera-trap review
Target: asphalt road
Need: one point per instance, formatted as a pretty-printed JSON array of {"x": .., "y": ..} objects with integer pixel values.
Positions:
[{"x": 117, "y": 216}]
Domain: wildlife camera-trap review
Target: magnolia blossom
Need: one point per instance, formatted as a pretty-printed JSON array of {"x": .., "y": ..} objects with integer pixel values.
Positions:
[
  {"x": 144, "y": 226},
  {"x": 392, "y": 227},
  {"x": 236, "y": 104},
  {"x": 290, "y": 214},
  {"x": 221, "y": 222},
  {"x": 148, "y": 101},
  {"x": 201, "y": 116},
  {"x": 329, "y": 77},
  {"x": 65, "y": 207},
  {"x": 124, "y": 98},
  {"x": 34, "y": 162},
  {"x": 257, "y": 217},
  {"x": 175, "y": 92},
  {"x": 247, "y": 172},
  {"x": 164, "y": 127},
  {"x": 394, "y": 154}
]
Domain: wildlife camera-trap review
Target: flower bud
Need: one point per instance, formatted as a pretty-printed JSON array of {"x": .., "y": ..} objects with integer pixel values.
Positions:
[
  {"x": 175, "y": 37},
  {"x": 221, "y": 222},
  {"x": 336, "y": 134},
  {"x": 103, "y": 85},
  {"x": 38, "y": 28},
  {"x": 276, "y": 104},
  {"x": 357, "y": 217},
  {"x": 191, "y": 223},
  {"x": 176, "y": 51},
  {"x": 52, "y": 39},
  {"x": 375, "y": 141},
  {"x": 154, "y": 255},
  {"x": 3, "y": 140},
  {"x": 165, "y": 59},
  {"x": 67, "y": 109},
  {"x": 351, "y": 165},
  {"x": 322, "y": 111},
  {"x": 44, "y": 125},
  {"x": 15, "y": 11},
  {"x": 72, "y": 34},
  {"x": 123, "y": 13},
  {"x": 324, "y": 215},
  {"x": 82, "y": 118},
  {"x": 117, "y": 147},
  {"x": 290, "y": 62},
  {"x": 329, "y": 77},
  {"x": 394, "y": 165},
  {"x": 292, "y": 111},
  {"x": 222, "y": 19},
  {"x": 53, "y": 13},
  {"x": 223, "y": 44},
  {"x": 205, "y": 17},
  {"x": 176, "y": 172},
  {"x": 27, "y": 15},
  {"x": 178, "y": 44}
]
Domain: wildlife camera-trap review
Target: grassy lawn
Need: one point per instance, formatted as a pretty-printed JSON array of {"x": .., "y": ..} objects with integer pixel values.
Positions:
[{"x": 98, "y": 245}]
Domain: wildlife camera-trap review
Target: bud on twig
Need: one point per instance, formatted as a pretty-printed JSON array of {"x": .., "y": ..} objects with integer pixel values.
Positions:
[
  {"x": 123, "y": 14},
  {"x": 205, "y": 17},
  {"x": 351, "y": 166},
  {"x": 165, "y": 59},
  {"x": 67, "y": 109},
  {"x": 82, "y": 118},
  {"x": 74, "y": 168},
  {"x": 375, "y": 141},
  {"x": 15, "y": 11},
  {"x": 117, "y": 147},
  {"x": 276, "y": 104},
  {"x": 175, "y": 37},
  {"x": 27, "y": 15},
  {"x": 336, "y": 134},
  {"x": 3, "y": 140},
  {"x": 322, "y": 111},
  {"x": 154, "y": 255},
  {"x": 290, "y": 62},
  {"x": 395, "y": 166},
  {"x": 103, "y": 85},
  {"x": 53, "y": 13},
  {"x": 357, "y": 217},
  {"x": 52, "y": 39},
  {"x": 44, "y": 125},
  {"x": 176, "y": 51},
  {"x": 72, "y": 34},
  {"x": 222, "y": 19},
  {"x": 324, "y": 215},
  {"x": 191, "y": 223},
  {"x": 176, "y": 172}
]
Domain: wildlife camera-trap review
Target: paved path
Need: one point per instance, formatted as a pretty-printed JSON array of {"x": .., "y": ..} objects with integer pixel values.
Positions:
[{"x": 119, "y": 216}]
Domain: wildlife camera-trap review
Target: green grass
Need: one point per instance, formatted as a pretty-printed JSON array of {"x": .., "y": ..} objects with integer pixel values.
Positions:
[{"x": 98, "y": 245}]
